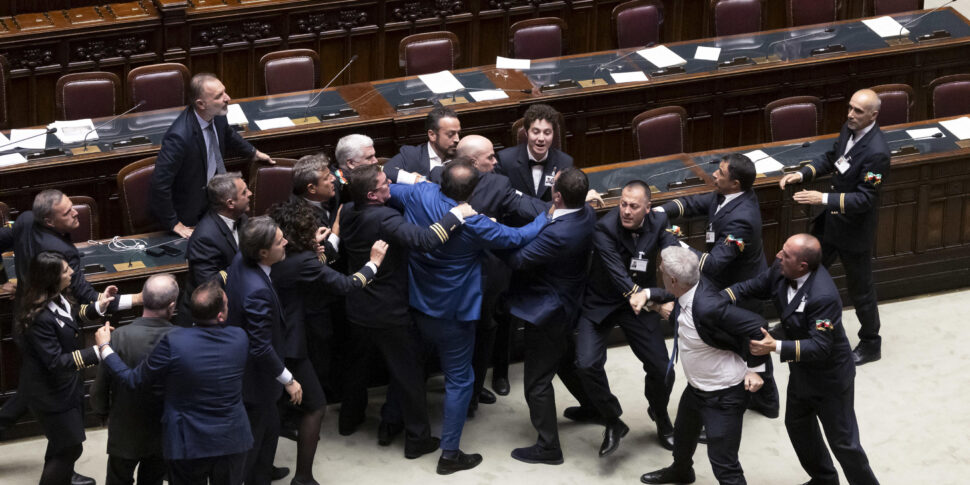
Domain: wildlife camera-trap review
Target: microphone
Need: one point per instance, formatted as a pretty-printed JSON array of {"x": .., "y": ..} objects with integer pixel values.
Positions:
[
  {"x": 711, "y": 162},
  {"x": 84, "y": 149},
  {"x": 614, "y": 61},
  {"x": 306, "y": 112},
  {"x": 526, "y": 91},
  {"x": 796, "y": 147},
  {"x": 917, "y": 19},
  {"x": 904, "y": 140},
  {"x": 785, "y": 42},
  {"x": 48, "y": 131}
]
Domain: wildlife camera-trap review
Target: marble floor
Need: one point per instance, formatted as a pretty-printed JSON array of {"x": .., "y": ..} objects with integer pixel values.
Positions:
[{"x": 911, "y": 405}]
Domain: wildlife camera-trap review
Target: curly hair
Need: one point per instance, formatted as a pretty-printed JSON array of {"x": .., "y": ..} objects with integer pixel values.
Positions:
[{"x": 299, "y": 223}]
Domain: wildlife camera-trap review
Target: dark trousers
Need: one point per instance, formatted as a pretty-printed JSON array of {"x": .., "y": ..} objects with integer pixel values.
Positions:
[
  {"x": 767, "y": 397},
  {"x": 264, "y": 420},
  {"x": 59, "y": 464},
  {"x": 722, "y": 413},
  {"x": 862, "y": 291},
  {"x": 644, "y": 335},
  {"x": 12, "y": 410},
  {"x": 545, "y": 347},
  {"x": 836, "y": 411},
  {"x": 121, "y": 471},
  {"x": 214, "y": 470},
  {"x": 492, "y": 337},
  {"x": 362, "y": 363}
]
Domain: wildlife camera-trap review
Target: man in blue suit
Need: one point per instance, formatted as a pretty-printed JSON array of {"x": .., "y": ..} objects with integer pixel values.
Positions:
[
  {"x": 545, "y": 296},
  {"x": 532, "y": 166},
  {"x": 205, "y": 430},
  {"x": 254, "y": 306},
  {"x": 413, "y": 161},
  {"x": 446, "y": 291}
]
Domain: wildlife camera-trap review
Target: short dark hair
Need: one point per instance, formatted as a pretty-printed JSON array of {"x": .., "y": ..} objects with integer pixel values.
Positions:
[
  {"x": 362, "y": 181},
  {"x": 307, "y": 171},
  {"x": 44, "y": 203},
  {"x": 221, "y": 188},
  {"x": 741, "y": 168},
  {"x": 573, "y": 185},
  {"x": 458, "y": 180},
  {"x": 206, "y": 301},
  {"x": 258, "y": 233},
  {"x": 431, "y": 122},
  {"x": 639, "y": 183},
  {"x": 197, "y": 85},
  {"x": 539, "y": 112}
]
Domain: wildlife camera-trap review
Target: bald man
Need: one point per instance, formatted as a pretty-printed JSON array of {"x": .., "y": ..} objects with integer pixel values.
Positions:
[
  {"x": 859, "y": 164},
  {"x": 480, "y": 150}
]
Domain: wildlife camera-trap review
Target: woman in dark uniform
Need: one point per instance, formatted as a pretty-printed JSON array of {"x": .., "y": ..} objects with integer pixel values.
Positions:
[{"x": 54, "y": 357}]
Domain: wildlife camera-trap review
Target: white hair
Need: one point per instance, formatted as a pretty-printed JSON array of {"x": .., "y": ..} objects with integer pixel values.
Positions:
[
  {"x": 680, "y": 263},
  {"x": 351, "y": 147}
]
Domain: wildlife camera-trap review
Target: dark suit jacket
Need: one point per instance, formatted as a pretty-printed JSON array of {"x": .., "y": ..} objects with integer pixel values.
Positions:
[
  {"x": 209, "y": 252},
  {"x": 814, "y": 343},
  {"x": 725, "y": 262},
  {"x": 514, "y": 163},
  {"x": 324, "y": 219},
  {"x": 201, "y": 369},
  {"x": 6, "y": 244},
  {"x": 611, "y": 281},
  {"x": 411, "y": 158},
  {"x": 384, "y": 302},
  {"x": 134, "y": 430},
  {"x": 495, "y": 197},
  {"x": 551, "y": 270},
  {"x": 849, "y": 219},
  {"x": 178, "y": 183}
]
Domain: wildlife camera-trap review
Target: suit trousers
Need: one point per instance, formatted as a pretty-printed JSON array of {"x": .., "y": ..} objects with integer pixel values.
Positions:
[
  {"x": 722, "y": 413},
  {"x": 454, "y": 342},
  {"x": 213, "y": 470},
  {"x": 767, "y": 397},
  {"x": 121, "y": 471},
  {"x": 862, "y": 291},
  {"x": 545, "y": 348},
  {"x": 264, "y": 420},
  {"x": 644, "y": 335},
  {"x": 836, "y": 410}
]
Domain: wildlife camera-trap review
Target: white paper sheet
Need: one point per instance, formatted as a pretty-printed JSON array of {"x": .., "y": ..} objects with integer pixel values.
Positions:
[
  {"x": 960, "y": 127},
  {"x": 628, "y": 77},
  {"x": 661, "y": 56},
  {"x": 764, "y": 163},
  {"x": 886, "y": 27},
  {"x": 74, "y": 131},
  {"x": 705, "y": 53},
  {"x": 488, "y": 95},
  {"x": 38, "y": 143},
  {"x": 270, "y": 123},
  {"x": 508, "y": 63},
  {"x": 11, "y": 159},
  {"x": 923, "y": 132},
  {"x": 441, "y": 82},
  {"x": 236, "y": 115}
]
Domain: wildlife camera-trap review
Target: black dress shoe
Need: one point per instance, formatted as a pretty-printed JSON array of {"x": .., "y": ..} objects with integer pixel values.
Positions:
[
  {"x": 300, "y": 481},
  {"x": 665, "y": 430},
  {"x": 702, "y": 436},
  {"x": 611, "y": 437},
  {"x": 461, "y": 462},
  {"x": 486, "y": 397},
  {"x": 501, "y": 386},
  {"x": 418, "y": 449},
  {"x": 538, "y": 455},
  {"x": 289, "y": 433},
  {"x": 279, "y": 472},
  {"x": 865, "y": 354},
  {"x": 386, "y": 432},
  {"x": 669, "y": 475},
  {"x": 582, "y": 415},
  {"x": 347, "y": 427},
  {"x": 78, "y": 479}
]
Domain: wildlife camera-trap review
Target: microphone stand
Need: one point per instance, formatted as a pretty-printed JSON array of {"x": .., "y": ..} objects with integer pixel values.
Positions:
[
  {"x": 903, "y": 39},
  {"x": 305, "y": 120},
  {"x": 95, "y": 149},
  {"x": 46, "y": 132}
]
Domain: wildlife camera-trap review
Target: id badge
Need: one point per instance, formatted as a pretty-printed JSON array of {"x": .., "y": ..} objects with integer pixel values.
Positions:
[
  {"x": 842, "y": 164},
  {"x": 639, "y": 263},
  {"x": 550, "y": 180},
  {"x": 709, "y": 235},
  {"x": 801, "y": 306}
]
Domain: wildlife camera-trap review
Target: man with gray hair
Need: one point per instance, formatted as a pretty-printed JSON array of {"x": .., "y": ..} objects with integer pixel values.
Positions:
[
  {"x": 314, "y": 184},
  {"x": 712, "y": 338},
  {"x": 355, "y": 150},
  {"x": 134, "y": 427}
]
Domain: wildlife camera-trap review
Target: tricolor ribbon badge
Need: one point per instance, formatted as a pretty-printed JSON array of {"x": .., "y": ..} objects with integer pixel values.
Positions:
[
  {"x": 873, "y": 178},
  {"x": 675, "y": 230},
  {"x": 823, "y": 325},
  {"x": 340, "y": 176},
  {"x": 733, "y": 240}
]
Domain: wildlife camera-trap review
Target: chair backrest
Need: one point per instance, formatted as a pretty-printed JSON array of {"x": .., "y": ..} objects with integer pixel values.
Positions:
[
  {"x": 896, "y": 103},
  {"x": 82, "y": 95},
  {"x": 794, "y": 117},
  {"x": 134, "y": 190},
  {"x": 519, "y": 134},
  {"x": 886, "y": 7},
  {"x": 950, "y": 96},
  {"x": 290, "y": 70},
  {"x": 87, "y": 214},
  {"x": 807, "y": 12},
  {"x": 429, "y": 52},
  {"x": 660, "y": 131},
  {"x": 637, "y": 23},
  {"x": 736, "y": 16},
  {"x": 537, "y": 38},
  {"x": 270, "y": 184},
  {"x": 160, "y": 86},
  {"x": 4, "y": 92}
]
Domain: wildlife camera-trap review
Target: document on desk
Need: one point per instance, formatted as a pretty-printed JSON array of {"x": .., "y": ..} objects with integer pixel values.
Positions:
[
  {"x": 74, "y": 131},
  {"x": 960, "y": 127},
  {"x": 488, "y": 95},
  {"x": 923, "y": 132},
  {"x": 37, "y": 143},
  {"x": 763, "y": 163},
  {"x": 628, "y": 77},
  {"x": 441, "y": 82},
  {"x": 705, "y": 53},
  {"x": 662, "y": 57},
  {"x": 11, "y": 159},
  {"x": 886, "y": 27},
  {"x": 235, "y": 116},
  {"x": 507, "y": 63},
  {"x": 270, "y": 123}
]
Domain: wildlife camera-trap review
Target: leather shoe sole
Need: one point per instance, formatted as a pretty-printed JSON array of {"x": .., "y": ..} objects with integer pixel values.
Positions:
[
  {"x": 668, "y": 475},
  {"x": 78, "y": 479}
]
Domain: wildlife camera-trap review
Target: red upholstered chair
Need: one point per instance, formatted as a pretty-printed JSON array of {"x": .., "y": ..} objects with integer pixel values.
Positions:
[
  {"x": 87, "y": 95},
  {"x": 4, "y": 92},
  {"x": 519, "y": 135},
  {"x": 160, "y": 86},
  {"x": 660, "y": 131},
  {"x": 795, "y": 117},
  {"x": 87, "y": 214},
  {"x": 950, "y": 96},
  {"x": 637, "y": 23},
  {"x": 270, "y": 183},
  {"x": 134, "y": 190},
  {"x": 290, "y": 70},
  {"x": 736, "y": 16},
  {"x": 537, "y": 38},
  {"x": 886, "y": 7},
  {"x": 428, "y": 52},
  {"x": 897, "y": 103},
  {"x": 807, "y": 12}
]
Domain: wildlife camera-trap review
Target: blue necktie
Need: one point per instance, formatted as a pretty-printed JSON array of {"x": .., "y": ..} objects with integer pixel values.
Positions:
[{"x": 673, "y": 354}]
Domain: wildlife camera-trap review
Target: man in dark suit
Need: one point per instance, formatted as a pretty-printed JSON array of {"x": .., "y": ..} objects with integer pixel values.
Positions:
[
  {"x": 205, "y": 433},
  {"x": 532, "y": 166},
  {"x": 822, "y": 382},
  {"x": 193, "y": 151},
  {"x": 734, "y": 250},
  {"x": 135, "y": 424},
  {"x": 712, "y": 339},
  {"x": 859, "y": 163},
  {"x": 415, "y": 162},
  {"x": 626, "y": 243},
  {"x": 545, "y": 298},
  {"x": 254, "y": 306}
]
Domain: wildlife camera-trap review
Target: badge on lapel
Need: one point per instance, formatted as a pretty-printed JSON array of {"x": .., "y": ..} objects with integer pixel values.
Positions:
[
  {"x": 823, "y": 325},
  {"x": 736, "y": 241},
  {"x": 873, "y": 178},
  {"x": 675, "y": 230}
]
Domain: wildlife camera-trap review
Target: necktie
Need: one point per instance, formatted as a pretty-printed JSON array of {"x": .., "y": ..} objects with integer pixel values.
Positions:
[
  {"x": 214, "y": 162},
  {"x": 720, "y": 199},
  {"x": 673, "y": 353},
  {"x": 636, "y": 237}
]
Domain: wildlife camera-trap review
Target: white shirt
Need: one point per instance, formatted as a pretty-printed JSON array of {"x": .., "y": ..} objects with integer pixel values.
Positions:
[
  {"x": 707, "y": 368},
  {"x": 537, "y": 169},
  {"x": 561, "y": 212},
  {"x": 433, "y": 158},
  {"x": 728, "y": 198},
  {"x": 231, "y": 224},
  {"x": 791, "y": 294}
]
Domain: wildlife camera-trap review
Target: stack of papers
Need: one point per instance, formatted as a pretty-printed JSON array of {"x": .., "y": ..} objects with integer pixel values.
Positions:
[
  {"x": 764, "y": 163},
  {"x": 236, "y": 115},
  {"x": 960, "y": 127},
  {"x": 270, "y": 123},
  {"x": 662, "y": 57},
  {"x": 886, "y": 27},
  {"x": 441, "y": 82},
  {"x": 488, "y": 95},
  {"x": 31, "y": 139},
  {"x": 704, "y": 53},
  {"x": 923, "y": 132},
  {"x": 11, "y": 159},
  {"x": 74, "y": 131},
  {"x": 507, "y": 63},
  {"x": 628, "y": 77}
]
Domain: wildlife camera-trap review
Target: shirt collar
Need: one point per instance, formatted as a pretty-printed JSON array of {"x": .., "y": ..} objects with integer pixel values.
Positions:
[
  {"x": 231, "y": 223},
  {"x": 315, "y": 203},
  {"x": 561, "y": 212},
  {"x": 858, "y": 136},
  {"x": 60, "y": 306},
  {"x": 687, "y": 299},
  {"x": 266, "y": 269},
  {"x": 202, "y": 123},
  {"x": 801, "y": 280},
  {"x": 433, "y": 155},
  {"x": 533, "y": 159},
  {"x": 730, "y": 197}
]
